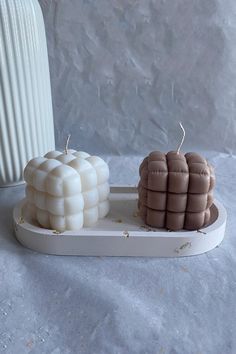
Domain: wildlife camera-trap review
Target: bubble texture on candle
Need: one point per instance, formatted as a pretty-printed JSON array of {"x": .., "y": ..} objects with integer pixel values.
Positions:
[{"x": 67, "y": 191}]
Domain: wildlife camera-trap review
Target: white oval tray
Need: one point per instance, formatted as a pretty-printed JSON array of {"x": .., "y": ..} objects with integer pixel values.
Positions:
[{"x": 121, "y": 233}]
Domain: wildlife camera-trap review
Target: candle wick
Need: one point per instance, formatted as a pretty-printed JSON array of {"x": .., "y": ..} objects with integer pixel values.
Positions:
[
  {"x": 67, "y": 143},
  {"x": 183, "y": 137}
]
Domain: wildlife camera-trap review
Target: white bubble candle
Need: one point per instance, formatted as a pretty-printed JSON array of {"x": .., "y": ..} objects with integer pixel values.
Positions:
[{"x": 67, "y": 191}]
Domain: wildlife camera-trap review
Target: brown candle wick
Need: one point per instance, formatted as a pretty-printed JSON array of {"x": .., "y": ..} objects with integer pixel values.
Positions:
[{"x": 181, "y": 143}]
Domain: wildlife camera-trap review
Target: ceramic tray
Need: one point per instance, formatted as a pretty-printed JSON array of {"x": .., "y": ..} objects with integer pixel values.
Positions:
[{"x": 121, "y": 233}]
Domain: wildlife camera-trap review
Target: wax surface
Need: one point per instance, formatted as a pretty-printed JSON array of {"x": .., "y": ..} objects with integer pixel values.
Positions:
[{"x": 67, "y": 191}]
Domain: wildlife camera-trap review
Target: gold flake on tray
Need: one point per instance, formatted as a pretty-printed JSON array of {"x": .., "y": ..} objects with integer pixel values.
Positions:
[
  {"x": 201, "y": 232},
  {"x": 21, "y": 220},
  {"x": 126, "y": 234},
  {"x": 182, "y": 247},
  {"x": 147, "y": 228},
  {"x": 119, "y": 221},
  {"x": 56, "y": 232}
]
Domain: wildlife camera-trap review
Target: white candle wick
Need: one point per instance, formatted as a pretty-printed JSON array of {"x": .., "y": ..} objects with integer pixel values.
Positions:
[
  {"x": 67, "y": 143},
  {"x": 183, "y": 137}
]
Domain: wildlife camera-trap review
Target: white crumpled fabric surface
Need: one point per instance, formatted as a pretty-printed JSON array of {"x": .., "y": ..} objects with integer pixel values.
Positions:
[
  {"x": 123, "y": 73},
  {"x": 83, "y": 305}
]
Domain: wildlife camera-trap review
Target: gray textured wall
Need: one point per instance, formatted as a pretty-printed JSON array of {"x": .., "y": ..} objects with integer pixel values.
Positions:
[{"x": 124, "y": 72}]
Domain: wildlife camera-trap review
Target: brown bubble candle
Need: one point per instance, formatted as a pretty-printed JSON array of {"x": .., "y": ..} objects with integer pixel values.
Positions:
[{"x": 176, "y": 190}]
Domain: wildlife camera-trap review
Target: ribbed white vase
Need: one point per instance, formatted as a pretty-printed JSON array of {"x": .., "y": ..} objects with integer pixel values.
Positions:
[{"x": 26, "y": 118}]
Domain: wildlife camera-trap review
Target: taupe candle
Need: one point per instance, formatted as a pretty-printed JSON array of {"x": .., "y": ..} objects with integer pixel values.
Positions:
[{"x": 175, "y": 190}]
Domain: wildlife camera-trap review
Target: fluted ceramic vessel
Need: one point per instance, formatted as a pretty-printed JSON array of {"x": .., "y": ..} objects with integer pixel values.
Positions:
[{"x": 26, "y": 118}]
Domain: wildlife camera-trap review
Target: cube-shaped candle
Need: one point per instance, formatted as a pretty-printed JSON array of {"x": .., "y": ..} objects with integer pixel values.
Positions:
[
  {"x": 175, "y": 190},
  {"x": 67, "y": 191}
]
